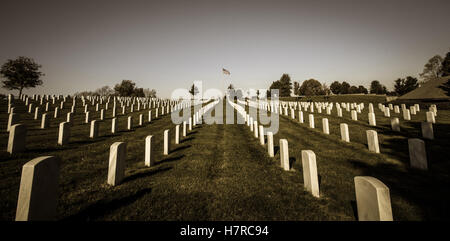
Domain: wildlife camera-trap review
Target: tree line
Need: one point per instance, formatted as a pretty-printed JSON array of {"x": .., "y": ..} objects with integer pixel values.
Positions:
[
  {"x": 23, "y": 72},
  {"x": 125, "y": 88},
  {"x": 435, "y": 67}
]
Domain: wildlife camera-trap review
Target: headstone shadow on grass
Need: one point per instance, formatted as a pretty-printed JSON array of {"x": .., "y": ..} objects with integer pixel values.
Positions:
[
  {"x": 276, "y": 149},
  {"x": 103, "y": 207},
  {"x": 291, "y": 162},
  {"x": 180, "y": 148},
  {"x": 146, "y": 173},
  {"x": 169, "y": 159},
  {"x": 187, "y": 139},
  {"x": 354, "y": 208},
  {"x": 191, "y": 133}
]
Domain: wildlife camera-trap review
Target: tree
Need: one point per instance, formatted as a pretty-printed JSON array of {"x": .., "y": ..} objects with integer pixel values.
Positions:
[
  {"x": 325, "y": 89},
  {"x": 345, "y": 87},
  {"x": 150, "y": 93},
  {"x": 432, "y": 69},
  {"x": 275, "y": 85},
  {"x": 377, "y": 88},
  {"x": 335, "y": 87},
  {"x": 362, "y": 90},
  {"x": 445, "y": 66},
  {"x": 353, "y": 90},
  {"x": 138, "y": 92},
  {"x": 311, "y": 87},
  {"x": 104, "y": 91},
  {"x": 403, "y": 86},
  {"x": 126, "y": 88},
  {"x": 21, "y": 73},
  {"x": 286, "y": 85},
  {"x": 296, "y": 88},
  {"x": 194, "y": 90}
]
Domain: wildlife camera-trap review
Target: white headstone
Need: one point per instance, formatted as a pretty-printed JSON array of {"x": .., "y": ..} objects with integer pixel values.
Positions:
[
  {"x": 149, "y": 155},
  {"x": 12, "y": 120},
  {"x": 177, "y": 134},
  {"x": 372, "y": 199},
  {"x": 372, "y": 141},
  {"x": 38, "y": 193},
  {"x": 130, "y": 123},
  {"x": 344, "y": 132},
  {"x": 311, "y": 121},
  {"x": 94, "y": 129},
  {"x": 300, "y": 116},
  {"x": 261, "y": 135},
  {"x": 117, "y": 158},
  {"x": 44, "y": 121},
  {"x": 284, "y": 154},
  {"x": 310, "y": 177},
  {"x": 64, "y": 133},
  {"x": 166, "y": 142},
  {"x": 270, "y": 149},
  {"x": 325, "y": 127},
  {"x": 17, "y": 138},
  {"x": 114, "y": 125}
]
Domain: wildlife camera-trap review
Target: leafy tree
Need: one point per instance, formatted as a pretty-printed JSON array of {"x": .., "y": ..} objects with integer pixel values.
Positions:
[
  {"x": 21, "y": 73},
  {"x": 138, "y": 92},
  {"x": 275, "y": 85},
  {"x": 445, "y": 66},
  {"x": 345, "y": 87},
  {"x": 296, "y": 88},
  {"x": 335, "y": 87},
  {"x": 126, "y": 88},
  {"x": 104, "y": 91},
  {"x": 362, "y": 90},
  {"x": 150, "y": 93},
  {"x": 311, "y": 87},
  {"x": 286, "y": 85},
  {"x": 377, "y": 88},
  {"x": 432, "y": 69},
  {"x": 403, "y": 86},
  {"x": 353, "y": 90},
  {"x": 194, "y": 90}
]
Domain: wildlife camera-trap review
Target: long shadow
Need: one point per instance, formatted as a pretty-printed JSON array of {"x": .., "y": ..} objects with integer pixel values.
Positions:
[
  {"x": 51, "y": 149},
  {"x": 276, "y": 149},
  {"x": 145, "y": 173},
  {"x": 292, "y": 160},
  {"x": 88, "y": 141},
  {"x": 191, "y": 132},
  {"x": 180, "y": 148},
  {"x": 170, "y": 159},
  {"x": 103, "y": 207},
  {"x": 187, "y": 139}
]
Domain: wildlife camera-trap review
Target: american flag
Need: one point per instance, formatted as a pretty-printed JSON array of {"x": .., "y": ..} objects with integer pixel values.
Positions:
[{"x": 226, "y": 72}]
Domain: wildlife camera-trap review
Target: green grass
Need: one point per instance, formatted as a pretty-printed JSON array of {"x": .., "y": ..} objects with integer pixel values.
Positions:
[{"x": 221, "y": 172}]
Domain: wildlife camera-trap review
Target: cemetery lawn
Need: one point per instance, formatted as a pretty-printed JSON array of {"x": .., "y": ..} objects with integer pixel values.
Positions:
[{"x": 221, "y": 172}]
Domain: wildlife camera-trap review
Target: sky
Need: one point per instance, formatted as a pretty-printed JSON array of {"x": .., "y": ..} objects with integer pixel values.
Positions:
[{"x": 165, "y": 45}]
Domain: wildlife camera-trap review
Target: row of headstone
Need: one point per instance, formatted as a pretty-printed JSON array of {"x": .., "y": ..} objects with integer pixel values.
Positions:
[{"x": 372, "y": 196}]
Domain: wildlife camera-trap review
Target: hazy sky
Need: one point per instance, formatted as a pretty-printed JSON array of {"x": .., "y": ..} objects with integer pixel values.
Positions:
[{"x": 83, "y": 45}]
